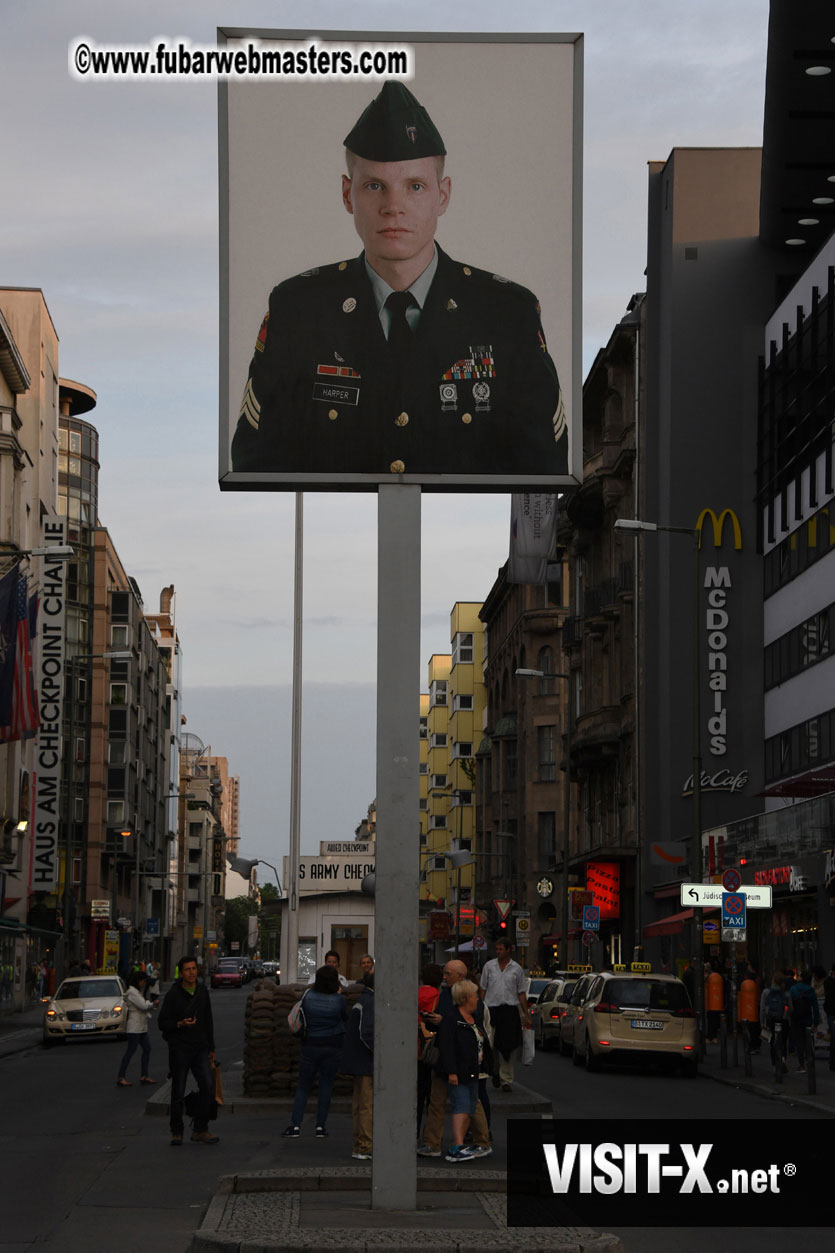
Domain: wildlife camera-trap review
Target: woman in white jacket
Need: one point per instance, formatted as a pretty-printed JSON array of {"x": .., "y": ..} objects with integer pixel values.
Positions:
[{"x": 139, "y": 1012}]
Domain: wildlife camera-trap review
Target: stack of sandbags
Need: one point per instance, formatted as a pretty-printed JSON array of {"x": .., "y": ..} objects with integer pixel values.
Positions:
[{"x": 271, "y": 1053}]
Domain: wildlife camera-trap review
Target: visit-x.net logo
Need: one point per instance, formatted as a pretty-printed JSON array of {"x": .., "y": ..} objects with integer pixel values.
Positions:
[{"x": 663, "y": 1173}]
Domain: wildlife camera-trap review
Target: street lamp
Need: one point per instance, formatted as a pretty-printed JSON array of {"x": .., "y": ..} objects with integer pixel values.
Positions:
[
  {"x": 635, "y": 526},
  {"x": 244, "y": 867},
  {"x": 566, "y": 822}
]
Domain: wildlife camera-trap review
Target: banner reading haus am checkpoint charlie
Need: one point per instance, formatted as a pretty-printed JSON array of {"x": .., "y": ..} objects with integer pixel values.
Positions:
[{"x": 401, "y": 262}]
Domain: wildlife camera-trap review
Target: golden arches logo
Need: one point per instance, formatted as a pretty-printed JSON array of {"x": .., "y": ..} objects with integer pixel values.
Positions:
[{"x": 719, "y": 526}]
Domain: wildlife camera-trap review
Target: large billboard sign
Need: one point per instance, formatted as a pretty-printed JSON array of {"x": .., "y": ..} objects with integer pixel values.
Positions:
[{"x": 443, "y": 171}]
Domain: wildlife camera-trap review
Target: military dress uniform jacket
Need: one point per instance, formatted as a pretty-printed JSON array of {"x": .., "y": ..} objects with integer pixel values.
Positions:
[{"x": 479, "y": 393}]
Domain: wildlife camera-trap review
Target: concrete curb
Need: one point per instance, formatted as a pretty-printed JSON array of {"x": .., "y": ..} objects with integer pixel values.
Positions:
[
  {"x": 264, "y": 1211},
  {"x": 521, "y": 1101}
]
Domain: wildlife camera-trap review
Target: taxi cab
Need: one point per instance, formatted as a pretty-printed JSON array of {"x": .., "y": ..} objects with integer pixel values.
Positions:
[{"x": 635, "y": 1015}]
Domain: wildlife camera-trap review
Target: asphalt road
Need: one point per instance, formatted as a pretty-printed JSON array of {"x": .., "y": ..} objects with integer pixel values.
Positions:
[{"x": 83, "y": 1168}]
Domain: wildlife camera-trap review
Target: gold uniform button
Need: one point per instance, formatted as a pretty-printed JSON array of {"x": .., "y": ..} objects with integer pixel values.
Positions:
[
  {"x": 397, "y": 467},
  {"x": 343, "y": 265},
  {"x": 467, "y": 271},
  {"x": 402, "y": 419},
  {"x": 466, "y": 418},
  {"x": 333, "y": 414}
]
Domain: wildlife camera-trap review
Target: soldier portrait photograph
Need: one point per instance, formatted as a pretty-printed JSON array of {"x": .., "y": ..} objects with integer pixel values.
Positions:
[{"x": 398, "y": 360}]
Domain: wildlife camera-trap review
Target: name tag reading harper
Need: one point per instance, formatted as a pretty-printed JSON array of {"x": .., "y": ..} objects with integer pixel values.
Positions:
[{"x": 330, "y": 393}]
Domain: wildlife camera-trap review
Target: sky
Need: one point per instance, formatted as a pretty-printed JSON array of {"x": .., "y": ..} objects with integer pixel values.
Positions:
[{"x": 110, "y": 206}]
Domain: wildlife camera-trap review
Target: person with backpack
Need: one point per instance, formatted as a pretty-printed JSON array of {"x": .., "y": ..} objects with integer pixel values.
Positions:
[
  {"x": 804, "y": 1013},
  {"x": 774, "y": 1017}
]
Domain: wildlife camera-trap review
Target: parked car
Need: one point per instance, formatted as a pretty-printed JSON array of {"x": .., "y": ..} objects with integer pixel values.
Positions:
[
  {"x": 630, "y": 1016},
  {"x": 573, "y": 1012},
  {"x": 86, "y": 1007},
  {"x": 549, "y": 1010},
  {"x": 535, "y": 984},
  {"x": 228, "y": 973}
]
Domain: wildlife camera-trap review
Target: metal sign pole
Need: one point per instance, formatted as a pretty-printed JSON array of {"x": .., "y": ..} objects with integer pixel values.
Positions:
[
  {"x": 394, "y": 1172},
  {"x": 290, "y": 974}
]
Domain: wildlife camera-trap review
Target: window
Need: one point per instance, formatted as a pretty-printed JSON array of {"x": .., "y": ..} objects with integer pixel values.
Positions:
[
  {"x": 546, "y": 742},
  {"x": 547, "y": 838},
  {"x": 510, "y": 751},
  {"x": 437, "y": 740},
  {"x": 119, "y": 636},
  {"x": 424, "y": 728},
  {"x": 120, "y": 606},
  {"x": 462, "y": 648},
  {"x": 118, "y": 693},
  {"x": 437, "y": 822},
  {"x": 461, "y": 702},
  {"x": 437, "y": 692},
  {"x": 462, "y": 748},
  {"x": 115, "y": 813},
  {"x": 437, "y": 780},
  {"x": 423, "y": 803},
  {"x": 545, "y": 662},
  {"x": 424, "y": 767}
]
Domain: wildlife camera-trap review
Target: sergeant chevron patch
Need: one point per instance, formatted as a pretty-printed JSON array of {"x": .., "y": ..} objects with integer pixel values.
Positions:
[{"x": 250, "y": 408}]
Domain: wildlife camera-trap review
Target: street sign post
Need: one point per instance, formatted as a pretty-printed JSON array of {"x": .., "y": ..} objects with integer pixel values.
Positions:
[
  {"x": 733, "y": 910},
  {"x": 502, "y": 908},
  {"x": 591, "y": 917},
  {"x": 709, "y": 895}
]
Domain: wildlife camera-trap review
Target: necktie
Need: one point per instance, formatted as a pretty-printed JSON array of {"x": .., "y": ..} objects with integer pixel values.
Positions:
[{"x": 400, "y": 333}]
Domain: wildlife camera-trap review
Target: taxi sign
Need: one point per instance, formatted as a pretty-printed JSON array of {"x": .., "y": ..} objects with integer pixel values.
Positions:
[
  {"x": 577, "y": 969},
  {"x": 733, "y": 910},
  {"x": 635, "y": 968}
]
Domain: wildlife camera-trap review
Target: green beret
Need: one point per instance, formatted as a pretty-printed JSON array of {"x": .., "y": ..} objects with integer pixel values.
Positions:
[{"x": 395, "y": 127}]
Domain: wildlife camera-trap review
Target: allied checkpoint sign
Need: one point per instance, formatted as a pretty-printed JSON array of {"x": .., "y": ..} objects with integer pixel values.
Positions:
[{"x": 491, "y": 399}]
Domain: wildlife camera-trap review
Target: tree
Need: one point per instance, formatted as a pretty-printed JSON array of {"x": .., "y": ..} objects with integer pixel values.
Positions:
[{"x": 236, "y": 924}]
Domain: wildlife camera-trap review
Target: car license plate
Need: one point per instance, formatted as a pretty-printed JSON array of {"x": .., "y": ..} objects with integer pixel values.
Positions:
[
  {"x": 82, "y": 1026},
  {"x": 647, "y": 1024}
]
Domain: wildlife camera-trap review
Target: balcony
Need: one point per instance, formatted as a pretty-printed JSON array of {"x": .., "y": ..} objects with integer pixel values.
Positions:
[{"x": 598, "y": 733}]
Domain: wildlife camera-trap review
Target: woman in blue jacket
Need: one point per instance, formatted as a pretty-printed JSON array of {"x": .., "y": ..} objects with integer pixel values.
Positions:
[{"x": 325, "y": 1011}]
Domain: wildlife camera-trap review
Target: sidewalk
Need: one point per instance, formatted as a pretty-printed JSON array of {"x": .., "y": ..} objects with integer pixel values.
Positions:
[
  {"x": 795, "y": 1087},
  {"x": 308, "y": 1206}
]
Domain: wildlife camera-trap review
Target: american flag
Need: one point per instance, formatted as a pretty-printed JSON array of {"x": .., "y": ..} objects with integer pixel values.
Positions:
[{"x": 19, "y": 713}]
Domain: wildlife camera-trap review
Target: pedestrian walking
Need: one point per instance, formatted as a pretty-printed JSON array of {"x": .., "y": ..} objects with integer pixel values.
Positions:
[
  {"x": 139, "y": 1013},
  {"x": 465, "y": 1052},
  {"x": 325, "y": 1011},
  {"x": 503, "y": 989},
  {"x": 454, "y": 972},
  {"x": 829, "y": 1011},
  {"x": 774, "y": 1017},
  {"x": 358, "y": 1061},
  {"x": 804, "y": 1014},
  {"x": 432, "y": 977},
  {"x": 187, "y": 1027}
]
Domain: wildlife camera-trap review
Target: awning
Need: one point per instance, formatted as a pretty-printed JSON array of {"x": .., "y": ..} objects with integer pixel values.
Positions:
[
  {"x": 673, "y": 924},
  {"x": 552, "y": 939}
]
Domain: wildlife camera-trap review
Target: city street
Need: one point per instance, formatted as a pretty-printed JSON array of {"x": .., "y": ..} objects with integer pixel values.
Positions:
[{"x": 84, "y": 1167}]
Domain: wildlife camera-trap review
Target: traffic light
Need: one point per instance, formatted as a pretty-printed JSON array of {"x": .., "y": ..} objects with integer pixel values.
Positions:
[{"x": 499, "y": 930}]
